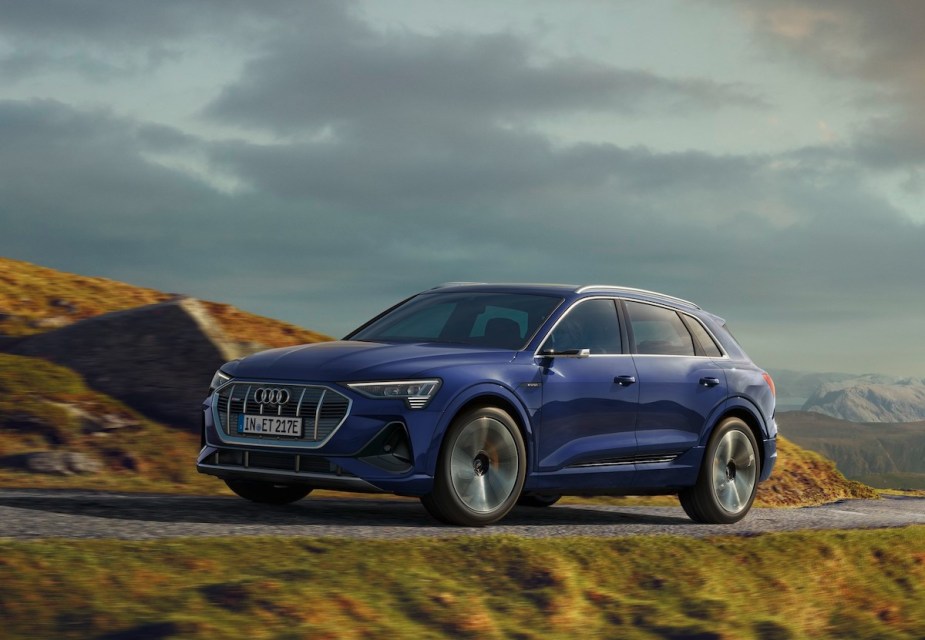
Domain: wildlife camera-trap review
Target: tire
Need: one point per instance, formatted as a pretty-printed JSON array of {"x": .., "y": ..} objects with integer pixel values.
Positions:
[
  {"x": 268, "y": 492},
  {"x": 728, "y": 479},
  {"x": 538, "y": 499},
  {"x": 480, "y": 471}
]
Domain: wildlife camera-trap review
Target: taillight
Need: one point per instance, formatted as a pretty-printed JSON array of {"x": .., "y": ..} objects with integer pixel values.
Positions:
[{"x": 767, "y": 378}]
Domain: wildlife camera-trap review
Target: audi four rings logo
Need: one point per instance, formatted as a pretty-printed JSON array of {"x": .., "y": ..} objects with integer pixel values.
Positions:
[{"x": 271, "y": 396}]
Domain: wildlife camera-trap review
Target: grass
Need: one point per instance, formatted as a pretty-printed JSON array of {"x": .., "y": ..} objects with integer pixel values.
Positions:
[
  {"x": 859, "y": 584},
  {"x": 35, "y": 299},
  {"x": 67, "y": 415}
]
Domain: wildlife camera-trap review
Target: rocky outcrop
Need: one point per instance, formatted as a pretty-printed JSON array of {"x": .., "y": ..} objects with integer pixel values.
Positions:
[
  {"x": 157, "y": 358},
  {"x": 64, "y": 463},
  {"x": 870, "y": 400}
]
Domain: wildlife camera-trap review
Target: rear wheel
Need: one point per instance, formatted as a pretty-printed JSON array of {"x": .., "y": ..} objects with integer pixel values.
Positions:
[
  {"x": 480, "y": 471},
  {"x": 538, "y": 499},
  {"x": 268, "y": 492},
  {"x": 728, "y": 480}
]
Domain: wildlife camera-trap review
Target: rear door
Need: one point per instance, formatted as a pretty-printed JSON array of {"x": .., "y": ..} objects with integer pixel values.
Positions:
[{"x": 679, "y": 384}]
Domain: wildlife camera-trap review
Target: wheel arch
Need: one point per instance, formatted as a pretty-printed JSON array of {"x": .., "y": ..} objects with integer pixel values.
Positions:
[
  {"x": 746, "y": 412},
  {"x": 483, "y": 395}
]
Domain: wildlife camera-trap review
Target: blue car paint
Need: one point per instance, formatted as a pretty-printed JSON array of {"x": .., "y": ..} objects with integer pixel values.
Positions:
[{"x": 664, "y": 412}]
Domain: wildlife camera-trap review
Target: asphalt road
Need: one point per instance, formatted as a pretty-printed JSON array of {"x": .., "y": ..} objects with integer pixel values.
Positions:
[{"x": 29, "y": 514}]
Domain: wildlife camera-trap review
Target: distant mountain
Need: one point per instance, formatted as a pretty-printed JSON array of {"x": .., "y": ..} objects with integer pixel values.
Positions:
[
  {"x": 795, "y": 387},
  {"x": 888, "y": 455},
  {"x": 870, "y": 399}
]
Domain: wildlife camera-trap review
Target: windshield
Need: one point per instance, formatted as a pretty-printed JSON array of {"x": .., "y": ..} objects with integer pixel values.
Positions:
[{"x": 501, "y": 320}]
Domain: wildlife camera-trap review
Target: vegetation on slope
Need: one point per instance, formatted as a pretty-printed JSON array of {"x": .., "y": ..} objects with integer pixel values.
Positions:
[
  {"x": 881, "y": 454},
  {"x": 805, "y": 478},
  {"x": 35, "y": 299},
  {"x": 862, "y": 584},
  {"x": 45, "y": 407}
]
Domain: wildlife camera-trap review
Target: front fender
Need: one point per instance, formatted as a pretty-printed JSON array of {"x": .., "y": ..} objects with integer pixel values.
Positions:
[{"x": 485, "y": 390}]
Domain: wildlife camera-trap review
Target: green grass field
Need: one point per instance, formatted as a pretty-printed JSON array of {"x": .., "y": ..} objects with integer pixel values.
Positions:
[{"x": 859, "y": 584}]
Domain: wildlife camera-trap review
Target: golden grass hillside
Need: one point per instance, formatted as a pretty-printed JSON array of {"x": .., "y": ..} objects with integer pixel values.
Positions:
[
  {"x": 118, "y": 448},
  {"x": 35, "y": 299},
  {"x": 815, "y": 584}
]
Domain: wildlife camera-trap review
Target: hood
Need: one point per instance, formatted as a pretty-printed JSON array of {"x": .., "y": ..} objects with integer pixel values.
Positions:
[{"x": 348, "y": 360}]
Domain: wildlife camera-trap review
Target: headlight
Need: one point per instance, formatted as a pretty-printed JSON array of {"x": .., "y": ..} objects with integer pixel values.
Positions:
[
  {"x": 415, "y": 393},
  {"x": 218, "y": 380}
]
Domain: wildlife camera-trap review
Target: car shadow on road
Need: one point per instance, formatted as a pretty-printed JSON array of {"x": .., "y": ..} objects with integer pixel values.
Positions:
[{"x": 318, "y": 512}]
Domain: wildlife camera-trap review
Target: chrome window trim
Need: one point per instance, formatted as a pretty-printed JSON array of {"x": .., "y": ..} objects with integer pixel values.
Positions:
[
  {"x": 725, "y": 356},
  {"x": 654, "y": 294},
  {"x": 291, "y": 443},
  {"x": 536, "y": 354}
]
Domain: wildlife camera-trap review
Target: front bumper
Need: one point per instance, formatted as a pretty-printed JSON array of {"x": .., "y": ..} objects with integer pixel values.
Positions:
[{"x": 381, "y": 446}]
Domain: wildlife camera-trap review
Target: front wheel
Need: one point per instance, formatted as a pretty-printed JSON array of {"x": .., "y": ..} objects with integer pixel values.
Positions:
[
  {"x": 728, "y": 477},
  {"x": 268, "y": 492},
  {"x": 481, "y": 469}
]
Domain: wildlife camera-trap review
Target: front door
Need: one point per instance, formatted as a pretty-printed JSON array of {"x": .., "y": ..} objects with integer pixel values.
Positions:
[{"x": 590, "y": 393}]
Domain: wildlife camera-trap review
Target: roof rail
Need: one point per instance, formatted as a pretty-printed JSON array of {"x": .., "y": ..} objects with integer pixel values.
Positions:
[
  {"x": 654, "y": 294},
  {"x": 455, "y": 284}
]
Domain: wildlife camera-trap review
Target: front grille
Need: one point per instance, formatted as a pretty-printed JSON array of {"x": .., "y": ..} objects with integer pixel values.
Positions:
[{"x": 322, "y": 409}]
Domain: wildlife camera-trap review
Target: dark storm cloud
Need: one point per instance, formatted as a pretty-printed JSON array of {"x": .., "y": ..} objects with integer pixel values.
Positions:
[{"x": 359, "y": 75}]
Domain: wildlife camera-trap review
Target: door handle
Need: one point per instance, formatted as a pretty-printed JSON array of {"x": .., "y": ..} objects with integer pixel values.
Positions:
[
  {"x": 625, "y": 381},
  {"x": 709, "y": 382}
]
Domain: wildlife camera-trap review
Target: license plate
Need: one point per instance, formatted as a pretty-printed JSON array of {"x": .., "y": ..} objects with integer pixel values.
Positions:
[{"x": 270, "y": 426}]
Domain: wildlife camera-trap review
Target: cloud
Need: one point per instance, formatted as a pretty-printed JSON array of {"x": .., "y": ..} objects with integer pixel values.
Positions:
[
  {"x": 396, "y": 160},
  {"x": 105, "y": 39},
  {"x": 347, "y": 75},
  {"x": 878, "y": 43}
]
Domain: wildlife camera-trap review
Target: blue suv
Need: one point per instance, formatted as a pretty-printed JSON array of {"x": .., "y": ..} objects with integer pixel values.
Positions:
[{"x": 477, "y": 397}]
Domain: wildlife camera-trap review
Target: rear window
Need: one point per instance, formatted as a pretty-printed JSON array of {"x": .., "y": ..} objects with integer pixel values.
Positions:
[
  {"x": 703, "y": 338},
  {"x": 658, "y": 331}
]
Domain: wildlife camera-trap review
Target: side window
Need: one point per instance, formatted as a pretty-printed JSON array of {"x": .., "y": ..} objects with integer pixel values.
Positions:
[
  {"x": 702, "y": 337},
  {"x": 588, "y": 325},
  {"x": 658, "y": 330}
]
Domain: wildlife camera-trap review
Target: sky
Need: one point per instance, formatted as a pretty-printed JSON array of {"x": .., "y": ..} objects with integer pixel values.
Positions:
[{"x": 318, "y": 161}]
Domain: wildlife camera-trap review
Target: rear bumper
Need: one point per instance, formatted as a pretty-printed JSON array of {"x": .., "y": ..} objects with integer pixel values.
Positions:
[{"x": 770, "y": 457}]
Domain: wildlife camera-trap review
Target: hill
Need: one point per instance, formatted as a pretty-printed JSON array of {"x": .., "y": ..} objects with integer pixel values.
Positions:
[
  {"x": 96, "y": 422},
  {"x": 886, "y": 455},
  {"x": 35, "y": 299}
]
